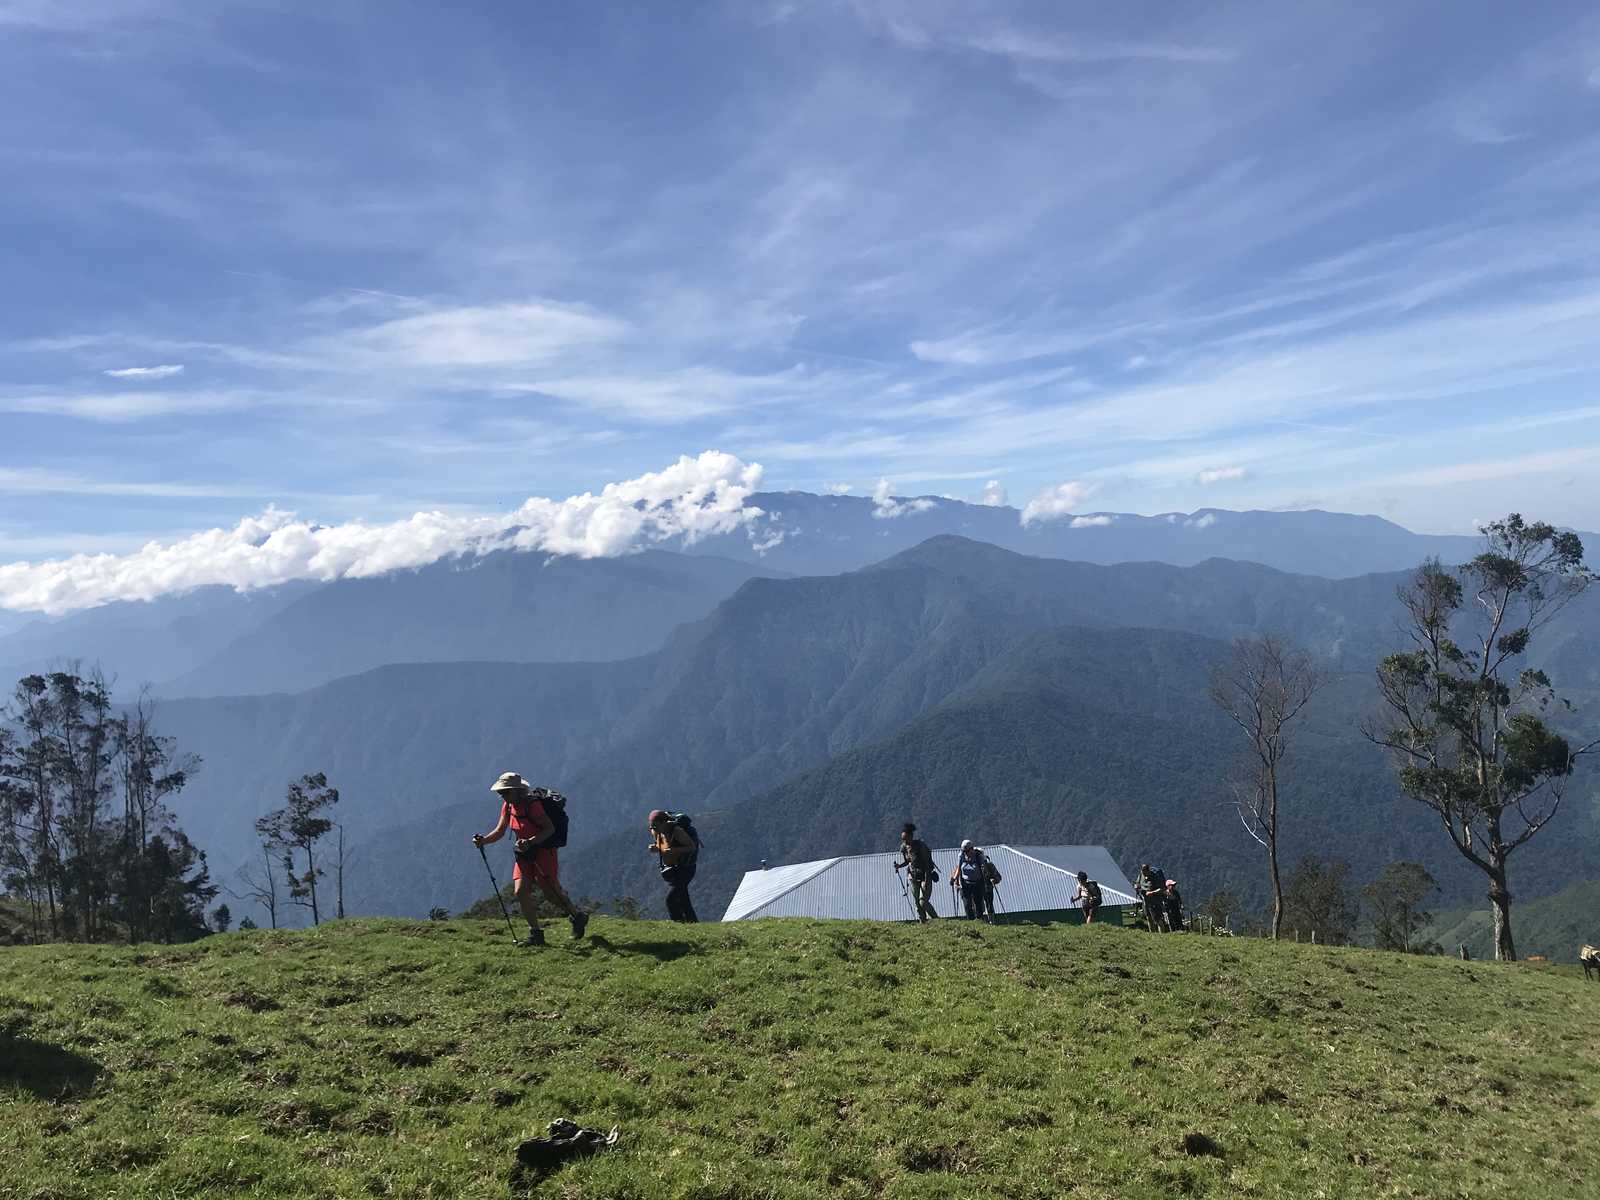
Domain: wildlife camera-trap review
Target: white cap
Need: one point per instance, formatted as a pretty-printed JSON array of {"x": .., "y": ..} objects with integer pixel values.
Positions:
[{"x": 966, "y": 843}]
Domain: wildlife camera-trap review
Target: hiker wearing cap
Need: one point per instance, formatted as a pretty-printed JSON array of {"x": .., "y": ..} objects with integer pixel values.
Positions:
[
  {"x": 1174, "y": 907},
  {"x": 678, "y": 852},
  {"x": 522, "y": 812},
  {"x": 1087, "y": 895},
  {"x": 972, "y": 876},
  {"x": 1151, "y": 887},
  {"x": 917, "y": 860}
]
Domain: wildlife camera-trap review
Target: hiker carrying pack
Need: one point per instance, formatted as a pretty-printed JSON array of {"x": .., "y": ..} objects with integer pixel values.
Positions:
[
  {"x": 972, "y": 875},
  {"x": 1152, "y": 887},
  {"x": 674, "y": 839},
  {"x": 918, "y": 861},
  {"x": 1088, "y": 896},
  {"x": 537, "y": 820}
]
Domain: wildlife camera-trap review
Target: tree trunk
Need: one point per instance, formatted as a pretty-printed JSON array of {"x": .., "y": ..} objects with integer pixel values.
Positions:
[
  {"x": 1505, "y": 949},
  {"x": 1277, "y": 887},
  {"x": 311, "y": 882},
  {"x": 1272, "y": 848}
]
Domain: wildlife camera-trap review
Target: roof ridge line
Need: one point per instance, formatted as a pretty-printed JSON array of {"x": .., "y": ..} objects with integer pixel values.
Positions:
[
  {"x": 832, "y": 863},
  {"x": 1070, "y": 875}
]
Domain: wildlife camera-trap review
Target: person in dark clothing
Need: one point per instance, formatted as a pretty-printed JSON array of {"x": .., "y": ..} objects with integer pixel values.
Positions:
[
  {"x": 1174, "y": 904},
  {"x": 1087, "y": 896},
  {"x": 678, "y": 852},
  {"x": 1152, "y": 889},
  {"x": 972, "y": 877},
  {"x": 917, "y": 859}
]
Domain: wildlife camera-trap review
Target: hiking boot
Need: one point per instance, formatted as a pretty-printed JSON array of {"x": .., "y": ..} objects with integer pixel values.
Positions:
[
  {"x": 535, "y": 938},
  {"x": 580, "y": 922}
]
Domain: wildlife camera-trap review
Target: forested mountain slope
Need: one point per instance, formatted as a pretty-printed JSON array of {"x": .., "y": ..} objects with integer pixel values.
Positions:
[
  {"x": 784, "y": 676},
  {"x": 504, "y": 607},
  {"x": 1100, "y": 736}
]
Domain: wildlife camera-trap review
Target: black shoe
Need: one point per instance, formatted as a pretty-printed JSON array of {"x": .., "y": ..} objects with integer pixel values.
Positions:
[
  {"x": 579, "y": 924},
  {"x": 535, "y": 938}
]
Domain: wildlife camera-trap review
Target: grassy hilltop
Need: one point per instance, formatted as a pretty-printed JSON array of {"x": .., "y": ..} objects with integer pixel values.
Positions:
[{"x": 386, "y": 1058}]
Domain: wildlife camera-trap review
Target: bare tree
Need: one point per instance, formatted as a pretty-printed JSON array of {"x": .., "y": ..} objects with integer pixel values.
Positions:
[
  {"x": 260, "y": 884},
  {"x": 1262, "y": 688},
  {"x": 1463, "y": 723}
]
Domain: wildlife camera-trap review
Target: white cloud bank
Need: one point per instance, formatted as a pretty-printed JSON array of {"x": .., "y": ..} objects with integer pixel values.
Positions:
[
  {"x": 692, "y": 499},
  {"x": 1053, "y": 503},
  {"x": 1220, "y": 474},
  {"x": 165, "y": 371},
  {"x": 993, "y": 495},
  {"x": 886, "y": 508}
]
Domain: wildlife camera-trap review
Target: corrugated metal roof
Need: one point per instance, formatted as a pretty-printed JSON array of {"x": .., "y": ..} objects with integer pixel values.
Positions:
[
  {"x": 1096, "y": 861},
  {"x": 759, "y": 888},
  {"x": 866, "y": 886}
]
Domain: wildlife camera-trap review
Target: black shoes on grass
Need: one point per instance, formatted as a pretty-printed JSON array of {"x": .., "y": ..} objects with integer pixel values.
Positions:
[{"x": 536, "y": 936}]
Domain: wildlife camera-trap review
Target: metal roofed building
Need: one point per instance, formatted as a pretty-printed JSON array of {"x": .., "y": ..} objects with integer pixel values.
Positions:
[{"x": 1036, "y": 884}]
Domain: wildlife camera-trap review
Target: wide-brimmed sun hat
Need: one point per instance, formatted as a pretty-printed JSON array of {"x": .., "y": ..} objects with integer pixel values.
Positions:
[{"x": 509, "y": 782}]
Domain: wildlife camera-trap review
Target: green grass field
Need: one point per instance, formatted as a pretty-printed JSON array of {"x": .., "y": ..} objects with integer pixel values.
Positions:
[{"x": 787, "y": 1059}]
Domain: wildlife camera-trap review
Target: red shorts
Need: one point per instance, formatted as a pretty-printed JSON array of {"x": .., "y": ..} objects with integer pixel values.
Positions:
[{"x": 541, "y": 864}]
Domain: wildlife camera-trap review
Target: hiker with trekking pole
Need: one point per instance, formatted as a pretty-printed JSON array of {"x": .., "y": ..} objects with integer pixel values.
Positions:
[
  {"x": 917, "y": 861},
  {"x": 1151, "y": 888},
  {"x": 537, "y": 819},
  {"x": 975, "y": 877},
  {"x": 674, "y": 840}
]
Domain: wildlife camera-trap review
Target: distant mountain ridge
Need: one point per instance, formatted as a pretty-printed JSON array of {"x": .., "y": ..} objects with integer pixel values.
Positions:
[
  {"x": 826, "y": 534},
  {"x": 783, "y": 678},
  {"x": 213, "y": 641}
]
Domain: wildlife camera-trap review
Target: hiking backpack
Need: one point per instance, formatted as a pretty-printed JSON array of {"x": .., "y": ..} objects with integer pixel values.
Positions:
[
  {"x": 555, "y": 807},
  {"x": 1092, "y": 891},
  {"x": 990, "y": 871},
  {"x": 683, "y": 821}
]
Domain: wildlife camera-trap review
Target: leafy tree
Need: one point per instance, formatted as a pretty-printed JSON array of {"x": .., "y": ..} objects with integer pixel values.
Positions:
[
  {"x": 296, "y": 828},
  {"x": 149, "y": 770},
  {"x": 1395, "y": 901},
  {"x": 64, "y": 751},
  {"x": 183, "y": 887},
  {"x": 1318, "y": 901},
  {"x": 221, "y": 918},
  {"x": 1262, "y": 688},
  {"x": 1466, "y": 727},
  {"x": 247, "y": 924}
]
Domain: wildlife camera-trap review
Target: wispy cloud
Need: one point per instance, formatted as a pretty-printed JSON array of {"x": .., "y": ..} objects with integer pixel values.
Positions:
[
  {"x": 161, "y": 372},
  {"x": 1220, "y": 474},
  {"x": 123, "y": 407},
  {"x": 480, "y": 336}
]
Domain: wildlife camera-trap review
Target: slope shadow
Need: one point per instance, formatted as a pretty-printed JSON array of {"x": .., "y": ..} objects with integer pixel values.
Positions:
[
  {"x": 49, "y": 1072},
  {"x": 664, "y": 951}
]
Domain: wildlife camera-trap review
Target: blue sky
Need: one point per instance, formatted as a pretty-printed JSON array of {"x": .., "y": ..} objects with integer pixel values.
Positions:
[{"x": 419, "y": 256}]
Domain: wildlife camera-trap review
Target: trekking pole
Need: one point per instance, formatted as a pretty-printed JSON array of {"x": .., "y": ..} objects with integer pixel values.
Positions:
[
  {"x": 914, "y": 912},
  {"x": 504, "y": 911}
]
